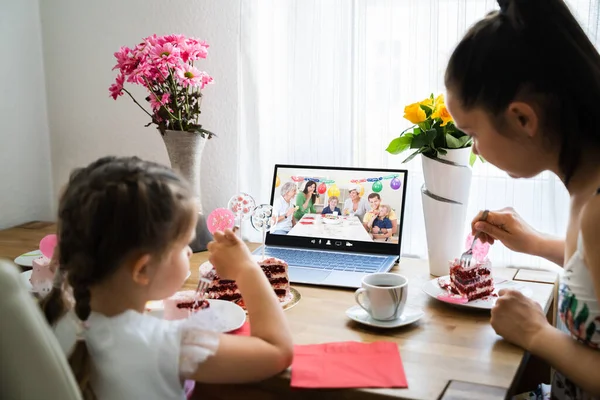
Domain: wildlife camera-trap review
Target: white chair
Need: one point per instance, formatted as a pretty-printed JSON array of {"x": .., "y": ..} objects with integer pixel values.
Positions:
[{"x": 33, "y": 364}]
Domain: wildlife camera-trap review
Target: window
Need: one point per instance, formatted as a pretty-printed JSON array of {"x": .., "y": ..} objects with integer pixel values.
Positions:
[{"x": 325, "y": 82}]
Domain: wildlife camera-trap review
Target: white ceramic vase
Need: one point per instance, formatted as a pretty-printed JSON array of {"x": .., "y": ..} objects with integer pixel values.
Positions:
[
  {"x": 185, "y": 153},
  {"x": 445, "y": 197}
]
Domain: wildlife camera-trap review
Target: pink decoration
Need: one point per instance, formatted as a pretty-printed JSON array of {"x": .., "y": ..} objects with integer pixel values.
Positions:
[
  {"x": 480, "y": 250},
  {"x": 47, "y": 245},
  {"x": 220, "y": 219},
  {"x": 297, "y": 178}
]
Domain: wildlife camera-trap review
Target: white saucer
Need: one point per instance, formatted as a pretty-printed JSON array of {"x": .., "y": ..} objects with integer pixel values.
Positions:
[
  {"x": 26, "y": 259},
  {"x": 409, "y": 316}
]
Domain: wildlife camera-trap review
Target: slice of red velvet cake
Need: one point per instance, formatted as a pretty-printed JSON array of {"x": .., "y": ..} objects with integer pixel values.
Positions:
[
  {"x": 275, "y": 269},
  {"x": 473, "y": 282}
]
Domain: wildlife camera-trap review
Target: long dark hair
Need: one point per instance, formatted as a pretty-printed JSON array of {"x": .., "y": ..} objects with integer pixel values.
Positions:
[
  {"x": 533, "y": 50},
  {"x": 111, "y": 210},
  {"x": 314, "y": 194}
]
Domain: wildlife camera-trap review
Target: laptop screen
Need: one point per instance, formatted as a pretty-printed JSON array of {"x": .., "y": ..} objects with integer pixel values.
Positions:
[{"x": 338, "y": 208}]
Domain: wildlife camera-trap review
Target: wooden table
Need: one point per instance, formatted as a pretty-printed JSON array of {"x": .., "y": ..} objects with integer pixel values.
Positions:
[{"x": 450, "y": 353}]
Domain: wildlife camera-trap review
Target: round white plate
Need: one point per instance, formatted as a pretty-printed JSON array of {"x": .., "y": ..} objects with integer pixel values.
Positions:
[
  {"x": 26, "y": 259},
  {"x": 433, "y": 289},
  {"x": 409, "y": 316},
  {"x": 229, "y": 316},
  {"x": 25, "y": 276}
]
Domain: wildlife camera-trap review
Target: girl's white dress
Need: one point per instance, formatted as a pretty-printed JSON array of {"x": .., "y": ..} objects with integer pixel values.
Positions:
[{"x": 139, "y": 356}]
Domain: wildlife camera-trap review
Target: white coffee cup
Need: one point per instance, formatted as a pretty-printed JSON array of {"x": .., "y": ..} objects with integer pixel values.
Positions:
[{"x": 383, "y": 295}]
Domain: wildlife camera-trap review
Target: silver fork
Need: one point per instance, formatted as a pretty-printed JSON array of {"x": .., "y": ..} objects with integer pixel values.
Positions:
[
  {"x": 467, "y": 257},
  {"x": 203, "y": 285}
]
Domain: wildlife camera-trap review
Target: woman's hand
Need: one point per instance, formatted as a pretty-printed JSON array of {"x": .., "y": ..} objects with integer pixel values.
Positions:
[
  {"x": 518, "y": 319},
  {"x": 508, "y": 227}
]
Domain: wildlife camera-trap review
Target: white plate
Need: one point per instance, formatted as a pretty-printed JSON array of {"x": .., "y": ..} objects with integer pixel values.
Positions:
[
  {"x": 26, "y": 259},
  {"x": 26, "y": 275},
  {"x": 331, "y": 221},
  {"x": 409, "y": 316},
  {"x": 229, "y": 316},
  {"x": 433, "y": 289}
]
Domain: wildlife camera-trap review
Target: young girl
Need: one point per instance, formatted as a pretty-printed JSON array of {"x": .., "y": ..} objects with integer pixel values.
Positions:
[
  {"x": 123, "y": 231},
  {"x": 524, "y": 83},
  {"x": 380, "y": 225}
]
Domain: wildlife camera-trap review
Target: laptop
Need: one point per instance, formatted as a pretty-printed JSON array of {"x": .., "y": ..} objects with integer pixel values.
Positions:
[{"x": 330, "y": 242}]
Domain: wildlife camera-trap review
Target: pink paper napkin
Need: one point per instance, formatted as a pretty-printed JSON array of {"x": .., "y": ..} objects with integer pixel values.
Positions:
[{"x": 348, "y": 365}]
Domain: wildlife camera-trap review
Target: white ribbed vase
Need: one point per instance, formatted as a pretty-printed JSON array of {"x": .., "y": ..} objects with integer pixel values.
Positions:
[
  {"x": 185, "y": 153},
  {"x": 445, "y": 197}
]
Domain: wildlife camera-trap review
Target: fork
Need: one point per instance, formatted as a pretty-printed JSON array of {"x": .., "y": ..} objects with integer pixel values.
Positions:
[
  {"x": 467, "y": 257},
  {"x": 203, "y": 285}
]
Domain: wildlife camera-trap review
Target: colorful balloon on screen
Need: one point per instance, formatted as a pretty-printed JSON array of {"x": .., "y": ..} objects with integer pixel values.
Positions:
[
  {"x": 297, "y": 178},
  {"x": 362, "y": 190},
  {"x": 333, "y": 191},
  {"x": 377, "y": 186},
  {"x": 395, "y": 184},
  {"x": 322, "y": 188},
  {"x": 277, "y": 182},
  {"x": 220, "y": 219}
]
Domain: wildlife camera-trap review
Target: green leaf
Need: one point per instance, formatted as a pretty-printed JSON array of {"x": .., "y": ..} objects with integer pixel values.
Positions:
[
  {"x": 472, "y": 158},
  {"x": 452, "y": 142},
  {"x": 442, "y": 151},
  {"x": 413, "y": 155},
  {"x": 418, "y": 141},
  {"x": 427, "y": 109},
  {"x": 400, "y": 144},
  {"x": 430, "y": 137},
  {"x": 464, "y": 141}
]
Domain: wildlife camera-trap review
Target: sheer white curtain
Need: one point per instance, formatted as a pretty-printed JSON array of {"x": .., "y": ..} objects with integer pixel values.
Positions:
[{"x": 325, "y": 82}]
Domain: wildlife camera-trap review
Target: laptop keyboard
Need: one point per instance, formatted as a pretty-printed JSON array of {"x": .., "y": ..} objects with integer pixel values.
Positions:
[{"x": 328, "y": 260}]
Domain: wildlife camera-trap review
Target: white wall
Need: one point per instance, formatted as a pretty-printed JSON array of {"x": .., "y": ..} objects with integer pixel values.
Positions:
[
  {"x": 80, "y": 37},
  {"x": 25, "y": 180}
]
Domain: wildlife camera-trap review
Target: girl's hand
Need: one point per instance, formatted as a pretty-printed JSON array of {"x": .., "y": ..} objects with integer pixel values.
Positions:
[
  {"x": 517, "y": 318},
  {"x": 508, "y": 227},
  {"x": 229, "y": 255}
]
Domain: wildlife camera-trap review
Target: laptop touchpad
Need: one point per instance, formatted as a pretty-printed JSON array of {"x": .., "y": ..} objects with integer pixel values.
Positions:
[{"x": 308, "y": 275}]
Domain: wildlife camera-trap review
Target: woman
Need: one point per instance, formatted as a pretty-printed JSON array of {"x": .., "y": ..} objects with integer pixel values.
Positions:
[
  {"x": 284, "y": 209},
  {"x": 524, "y": 83},
  {"x": 305, "y": 200},
  {"x": 355, "y": 205}
]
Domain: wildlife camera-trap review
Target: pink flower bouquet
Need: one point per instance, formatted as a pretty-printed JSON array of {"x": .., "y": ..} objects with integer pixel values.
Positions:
[{"x": 164, "y": 65}]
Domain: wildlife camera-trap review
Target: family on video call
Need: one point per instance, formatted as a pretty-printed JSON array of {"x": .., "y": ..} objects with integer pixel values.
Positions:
[{"x": 302, "y": 204}]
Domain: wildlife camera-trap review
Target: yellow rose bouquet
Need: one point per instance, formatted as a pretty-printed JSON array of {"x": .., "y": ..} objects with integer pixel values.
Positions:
[{"x": 433, "y": 131}]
